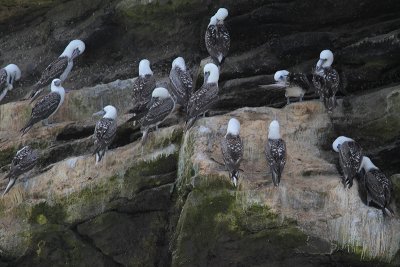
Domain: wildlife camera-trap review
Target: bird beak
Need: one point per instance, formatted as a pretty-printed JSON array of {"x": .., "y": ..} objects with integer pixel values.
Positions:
[
  {"x": 99, "y": 113},
  {"x": 319, "y": 64},
  {"x": 75, "y": 53}
]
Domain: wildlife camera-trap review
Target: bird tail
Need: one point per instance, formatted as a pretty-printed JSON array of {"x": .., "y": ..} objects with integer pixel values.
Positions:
[
  {"x": 10, "y": 184},
  {"x": 276, "y": 177},
  {"x": 35, "y": 92},
  {"x": 99, "y": 155},
  {"x": 190, "y": 123},
  {"x": 144, "y": 137},
  {"x": 27, "y": 127},
  {"x": 388, "y": 212},
  {"x": 235, "y": 177},
  {"x": 330, "y": 103}
]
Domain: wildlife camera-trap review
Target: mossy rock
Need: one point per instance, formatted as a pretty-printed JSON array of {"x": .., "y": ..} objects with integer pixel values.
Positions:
[{"x": 211, "y": 221}]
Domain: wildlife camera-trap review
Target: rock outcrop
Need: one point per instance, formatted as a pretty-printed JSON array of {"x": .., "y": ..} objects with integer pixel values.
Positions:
[{"x": 171, "y": 203}]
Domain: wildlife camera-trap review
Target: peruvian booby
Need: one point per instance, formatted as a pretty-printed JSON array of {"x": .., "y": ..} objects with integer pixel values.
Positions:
[
  {"x": 379, "y": 188},
  {"x": 105, "y": 130},
  {"x": 181, "y": 82},
  {"x": 160, "y": 106},
  {"x": 295, "y": 84},
  {"x": 8, "y": 75},
  {"x": 326, "y": 80},
  {"x": 142, "y": 89},
  {"x": 217, "y": 37},
  {"x": 46, "y": 106},
  {"x": 350, "y": 156},
  {"x": 25, "y": 159},
  {"x": 204, "y": 98},
  {"x": 59, "y": 68},
  {"x": 232, "y": 150},
  {"x": 275, "y": 152}
]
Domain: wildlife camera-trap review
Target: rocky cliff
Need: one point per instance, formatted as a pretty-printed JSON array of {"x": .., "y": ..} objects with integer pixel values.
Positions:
[{"x": 171, "y": 203}]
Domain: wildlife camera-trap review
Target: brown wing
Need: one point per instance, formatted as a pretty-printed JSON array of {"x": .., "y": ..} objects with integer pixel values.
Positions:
[
  {"x": 202, "y": 100},
  {"x": 158, "y": 111},
  {"x": 182, "y": 84},
  {"x": 53, "y": 71},
  {"x": 378, "y": 187},
  {"x": 104, "y": 132},
  {"x": 232, "y": 151}
]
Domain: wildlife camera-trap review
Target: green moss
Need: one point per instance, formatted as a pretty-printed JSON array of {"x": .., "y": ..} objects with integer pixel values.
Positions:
[
  {"x": 218, "y": 216},
  {"x": 43, "y": 213},
  {"x": 7, "y": 155}
]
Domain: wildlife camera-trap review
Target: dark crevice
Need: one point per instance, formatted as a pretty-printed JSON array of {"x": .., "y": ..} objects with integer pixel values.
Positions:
[
  {"x": 89, "y": 242},
  {"x": 75, "y": 131}
]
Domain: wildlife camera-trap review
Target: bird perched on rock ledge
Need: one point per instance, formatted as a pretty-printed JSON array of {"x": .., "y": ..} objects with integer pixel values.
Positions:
[
  {"x": 295, "y": 84},
  {"x": 105, "y": 130},
  {"x": 378, "y": 187},
  {"x": 204, "y": 98},
  {"x": 25, "y": 159},
  {"x": 46, "y": 106},
  {"x": 217, "y": 37},
  {"x": 232, "y": 150},
  {"x": 275, "y": 152},
  {"x": 326, "y": 80},
  {"x": 350, "y": 156},
  {"x": 59, "y": 68}
]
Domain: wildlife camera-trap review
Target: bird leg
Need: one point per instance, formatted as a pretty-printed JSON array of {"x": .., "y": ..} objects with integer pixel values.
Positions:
[
  {"x": 301, "y": 97},
  {"x": 287, "y": 100}
]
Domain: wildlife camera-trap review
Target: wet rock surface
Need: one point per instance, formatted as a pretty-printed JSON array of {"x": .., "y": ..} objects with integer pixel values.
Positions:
[{"x": 171, "y": 203}]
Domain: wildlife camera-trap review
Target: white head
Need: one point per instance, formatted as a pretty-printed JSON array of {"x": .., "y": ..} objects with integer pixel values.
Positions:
[
  {"x": 144, "y": 68},
  {"x": 233, "y": 127},
  {"x": 160, "y": 92},
  {"x": 74, "y": 49},
  {"x": 367, "y": 164},
  {"x": 221, "y": 14},
  {"x": 13, "y": 74},
  {"x": 179, "y": 62},
  {"x": 273, "y": 132},
  {"x": 110, "y": 112},
  {"x": 325, "y": 59},
  {"x": 211, "y": 73},
  {"x": 56, "y": 85},
  {"x": 281, "y": 76},
  {"x": 339, "y": 141}
]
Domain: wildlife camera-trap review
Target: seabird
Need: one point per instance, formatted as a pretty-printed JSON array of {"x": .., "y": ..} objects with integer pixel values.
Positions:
[
  {"x": 295, "y": 84},
  {"x": 160, "y": 107},
  {"x": 181, "y": 82},
  {"x": 377, "y": 185},
  {"x": 142, "y": 89},
  {"x": 8, "y": 75},
  {"x": 232, "y": 150},
  {"x": 46, "y": 106},
  {"x": 24, "y": 161},
  {"x": 105, "y": 130},
  {"x": 59, "y": 68},
  {"x": 326, "y": 80},
  {"x": 275, "y": 152},
  {"x": 217, "y": 37},
  {"x": 350, "y": 156},
  {"x": 204, "y": 98}
]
